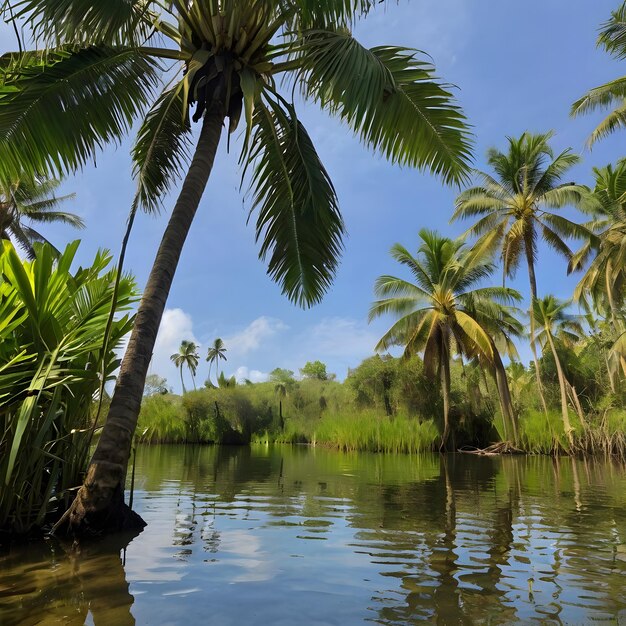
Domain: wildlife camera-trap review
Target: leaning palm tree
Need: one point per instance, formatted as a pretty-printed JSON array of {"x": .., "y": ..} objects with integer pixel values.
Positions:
[
  {"x": 187, "y": 356},
  {"x": 32, "y": 200},
  {"x": 216, "y": 352},
  {"x": 101, "y": 70},
  {"x": 516, "y": 207},
  {"x": 611, "y": 95},
  {"x": 439, "y": 309},
  {"x": 551, "y": 318}
]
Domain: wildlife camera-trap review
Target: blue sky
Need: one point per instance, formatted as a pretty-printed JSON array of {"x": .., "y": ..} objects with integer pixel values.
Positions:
[{"x": 517, "y": 67}]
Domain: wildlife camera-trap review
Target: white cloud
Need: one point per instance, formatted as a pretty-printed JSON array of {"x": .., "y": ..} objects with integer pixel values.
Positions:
[
  {"x": 250, "y": 338},
  {"x": 243, "y": 372},
  {"x": 176, "y": 325},
  {"x": 339, "y": 342}
]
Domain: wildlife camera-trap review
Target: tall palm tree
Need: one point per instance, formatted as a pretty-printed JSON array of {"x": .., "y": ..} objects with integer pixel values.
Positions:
[
  {"x": 216, "y": 352},
  {"x": 516, "y": 207},
  {"x": 187, "y": 356},
  {"x": 32, "y": 200},
  {"x": 439, "y": 311},
  {"x": 604, "y": 280},
  {"x": 551, "y": 318},
  {"x": 101, "y": 71},
  {"x": 611, "y": 95}
]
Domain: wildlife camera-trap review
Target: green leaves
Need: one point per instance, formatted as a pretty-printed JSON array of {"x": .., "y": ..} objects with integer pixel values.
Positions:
[
  {"x": 390, "y": 99},
  {"x": 86, "y": 21},
  {"x": 298, "y": 223},
  {"x": 161, "y": 151},
  {"x": 52, "y": 322},
  {"x": 56, "y": 113}
]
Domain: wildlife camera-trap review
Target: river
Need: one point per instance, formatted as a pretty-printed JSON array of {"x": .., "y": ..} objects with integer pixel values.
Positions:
[{"x": 296, "y": 535}]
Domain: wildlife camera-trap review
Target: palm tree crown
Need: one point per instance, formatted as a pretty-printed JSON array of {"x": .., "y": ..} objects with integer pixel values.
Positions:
[
  {"x": 187, "y": 356},
  {"x": 605, "y": 278},
  {"x": 216, "y": 352},
  {"x": 102, "y": 70},
  {"x": 515, "y": 206},
  {"x": 230, "y": 53},
  {"x": 611, "y": 95},
  {"x": 442, "y": 309},
  {"x": 33, "y": 200}
]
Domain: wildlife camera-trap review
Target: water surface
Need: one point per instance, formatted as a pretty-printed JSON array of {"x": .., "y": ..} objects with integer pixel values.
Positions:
[{"x": 293, "y": 535}]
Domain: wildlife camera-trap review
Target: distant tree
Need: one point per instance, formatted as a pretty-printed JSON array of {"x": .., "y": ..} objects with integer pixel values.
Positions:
[
  {"x": 280, "y": 375},
  {"x": 315, "y": 370},
  {"x": 188, "y": 356},
  {"x": 34, "y": 201},
  {"x": 374, "y": 379},
  {"x": 155, "y": 385},
  {"x": 216, "y": 352},
  {"x": 611, "y": 95}
]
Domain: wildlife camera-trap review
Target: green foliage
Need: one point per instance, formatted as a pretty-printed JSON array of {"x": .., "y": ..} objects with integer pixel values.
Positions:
[
  {"x": 98, "y": 73},
  {"x": 32, "y": 200},
  {"x": 369, "y": 431},
  {"x": 52, "y": 324},
  {"x": 314, "y": 369}
]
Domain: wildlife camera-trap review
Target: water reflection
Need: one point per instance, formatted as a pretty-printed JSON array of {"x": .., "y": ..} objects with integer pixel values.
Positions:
[
  {"x": 282, "y": 535},
  {"x": 67, "y": 584}
]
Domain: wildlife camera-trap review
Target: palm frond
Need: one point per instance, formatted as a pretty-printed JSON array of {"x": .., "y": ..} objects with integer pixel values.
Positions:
[
  {"x": 299, "y": 223},
  {"x": 112, "y": 22},
  {"x": 55, "y": 115},
  {"x": 161, "y": 151},
  {"x": 390, "y": 99}
]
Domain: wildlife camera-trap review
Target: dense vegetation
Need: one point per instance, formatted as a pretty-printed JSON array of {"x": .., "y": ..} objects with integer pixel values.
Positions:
[
  {"x": 52, "y": 366},
  {"x": 457, "y": 329}
]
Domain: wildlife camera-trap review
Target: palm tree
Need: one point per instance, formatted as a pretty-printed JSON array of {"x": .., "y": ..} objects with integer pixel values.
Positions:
[
  {"x": 100, "y": 72},
  {"x": 216, "y": 352},
  {"x": 33, "y": 200},
  {"x": 516, "y": 207},
  {"x": 604, "y": 280},
  {"x": 551, "y": 318},
  {"x": 187, "y": 355},
  {"x": 612, "y": 94},
  {"x": 440, "y": 312}
]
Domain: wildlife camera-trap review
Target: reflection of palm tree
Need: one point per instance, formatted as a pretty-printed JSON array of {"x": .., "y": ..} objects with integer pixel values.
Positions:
[
  {"x": 216, "y": 352},
  {"x": 35, "y": 201},
  {"x": 443, "y": 309},
  {"x": 187, "y": 355}
]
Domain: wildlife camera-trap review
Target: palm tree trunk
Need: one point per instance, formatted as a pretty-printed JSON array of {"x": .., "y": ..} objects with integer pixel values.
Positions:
[
  {"x": 182, "y": 382},
  {"x": 505, "y": 393},
  {"x": 99, "y": 504},
  {"x": 559, "y": 370},
  {"x": 445, "y": 391},
  {"x": 533, "y": 296}
]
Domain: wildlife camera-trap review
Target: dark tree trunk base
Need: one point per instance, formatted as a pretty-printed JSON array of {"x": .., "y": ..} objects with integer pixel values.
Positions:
[{"x": 85, "y": 521}]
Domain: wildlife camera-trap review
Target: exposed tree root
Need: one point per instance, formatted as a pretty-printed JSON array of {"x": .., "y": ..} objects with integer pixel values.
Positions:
[
  {"x": 82, "y": 520},
  {"x": 495, "y": 449}
]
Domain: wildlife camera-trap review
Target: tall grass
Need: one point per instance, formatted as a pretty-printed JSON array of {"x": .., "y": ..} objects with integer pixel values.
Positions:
[
  {"x": 52, "y": 323},
  {"x": 369, "y": 431}
]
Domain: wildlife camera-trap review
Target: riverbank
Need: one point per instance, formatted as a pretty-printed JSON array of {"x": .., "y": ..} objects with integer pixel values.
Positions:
[{"x": 323, "y": 413}]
